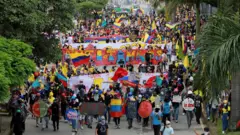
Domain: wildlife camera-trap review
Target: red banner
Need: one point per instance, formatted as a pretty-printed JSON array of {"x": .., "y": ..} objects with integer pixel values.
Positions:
[{"x": 113, "y": 56}]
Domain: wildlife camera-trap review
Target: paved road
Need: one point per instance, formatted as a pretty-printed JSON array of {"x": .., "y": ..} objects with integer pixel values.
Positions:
[{"x": 179, "y": 128}]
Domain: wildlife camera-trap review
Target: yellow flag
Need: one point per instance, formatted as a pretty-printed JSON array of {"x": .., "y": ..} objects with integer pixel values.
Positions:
[
  {"x": 177, "y": 46},
  {"x": 64, "y": 70},
  {"x": 183, "y": 42},
  {"x": 186, "y": 62},
  {"x": 98, "y": 22}
]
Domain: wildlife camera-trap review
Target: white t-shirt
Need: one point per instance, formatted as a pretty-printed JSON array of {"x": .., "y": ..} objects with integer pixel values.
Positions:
[
  {"x": 162, "y": 46},
  {"x": 70, "y": 40}
]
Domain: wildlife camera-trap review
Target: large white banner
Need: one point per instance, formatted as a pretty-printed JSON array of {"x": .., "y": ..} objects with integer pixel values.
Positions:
[{"x": 103, "y": 80}]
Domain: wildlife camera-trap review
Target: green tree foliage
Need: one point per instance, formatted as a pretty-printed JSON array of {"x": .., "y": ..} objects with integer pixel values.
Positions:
[
  {"x": 34, "y": 22},
  {"x": 218, "y": 60},
  {"x": 15, "y": 65},
  {"x": 85, "y": 8},
  {"x": 219, "y": 50},
  {"x": 171, "y": 6}
]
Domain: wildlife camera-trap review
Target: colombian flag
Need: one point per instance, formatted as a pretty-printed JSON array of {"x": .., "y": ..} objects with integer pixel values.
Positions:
[
  {"x": 62, "y": 79},
  {"x": 116, "y": 108},
  {"x": 147, "y": 38},
  {"x": 153, "y": 28},
  {"x": 79, "y": 58},
  {"x": 119, "y": 19},
  {"x": 120, "y": 73},
  {"x": 116, "y": 25}
]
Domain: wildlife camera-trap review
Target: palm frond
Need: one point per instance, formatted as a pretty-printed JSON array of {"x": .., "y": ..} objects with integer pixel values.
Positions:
[{"x": 219, "y": 48}]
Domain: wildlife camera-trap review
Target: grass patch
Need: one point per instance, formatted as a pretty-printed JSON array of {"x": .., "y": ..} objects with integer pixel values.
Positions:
[{"x": 219, "y": 129}]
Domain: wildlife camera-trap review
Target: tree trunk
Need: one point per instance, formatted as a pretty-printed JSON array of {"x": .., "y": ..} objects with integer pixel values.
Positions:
[
  {"x": 235, "y": 101},
  {"x": 198, "y": 18}
]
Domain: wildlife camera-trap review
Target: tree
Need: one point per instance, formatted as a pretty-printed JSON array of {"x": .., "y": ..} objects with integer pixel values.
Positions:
[
  {"x": 85, "y": 8},
  {"x": 219, "y": 54},
  {"x": 171, "y": 6},
  {"x": 35, "y": 22},
  {"x": 15, "y": 65}
]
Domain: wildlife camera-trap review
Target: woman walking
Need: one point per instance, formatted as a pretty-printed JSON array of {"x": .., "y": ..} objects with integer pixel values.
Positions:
[{"x": 156, "y": 117}]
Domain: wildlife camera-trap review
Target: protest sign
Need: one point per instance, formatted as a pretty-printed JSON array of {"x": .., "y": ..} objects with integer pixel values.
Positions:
[
  {"x": 99, "y": 79},
  {"x": 39, "y": 109},
  {"x": 88, "y": 108},
  {"x": 71, "y": 114},
  {"x": 131, "y": 109},
  {"x": 188, "y": 104},
  {"x": 177, "y": 99}
]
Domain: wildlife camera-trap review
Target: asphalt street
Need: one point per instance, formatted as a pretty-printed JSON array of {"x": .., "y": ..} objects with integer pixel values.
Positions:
[{"x": 180, "y": 128}]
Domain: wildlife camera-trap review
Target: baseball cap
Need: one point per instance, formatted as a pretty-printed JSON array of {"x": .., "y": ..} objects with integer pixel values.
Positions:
[{"x": 190, "y": 92}]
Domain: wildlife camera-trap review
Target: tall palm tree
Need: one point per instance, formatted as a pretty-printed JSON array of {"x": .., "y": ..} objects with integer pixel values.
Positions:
[{"x": 219, "y": 56}]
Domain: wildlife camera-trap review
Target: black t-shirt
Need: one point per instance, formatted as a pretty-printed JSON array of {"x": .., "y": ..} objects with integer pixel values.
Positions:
[
  {"x": 102, "y": 129},
  {"x": 107, "y": 99},
  {"x": 198, "y": 102}
]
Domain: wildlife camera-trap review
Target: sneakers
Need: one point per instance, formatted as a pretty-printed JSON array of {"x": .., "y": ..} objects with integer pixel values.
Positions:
[
  {"x": 37, "y": 125},
  {"x": 183, "y": 114},
  {"x": 81, "y": 127},
  {"x": 176, "y": 121},
  {"x": 223, "y": 132},
  {"x": 118, "y": 127}
]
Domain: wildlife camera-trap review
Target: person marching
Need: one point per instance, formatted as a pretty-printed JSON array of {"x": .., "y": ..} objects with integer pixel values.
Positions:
[
  {"x": 166, "y": 107},
  {"x": 46, "y": 117},
  {"x": 116, "y": 108},
  {"x": 167, "y": 129},
  {"x": 55, "y": 115},
  {"x": 131, "y": 109},
  {"x": 225, "y": 115},
  {"x": 102, "y": 127},
  {"x": 156, "y": 117},
  {"x": 16, "y": 123},
  {"x": 198, "y": 108},
  {"x": 189, "y": 106},
  {"x": 176, "y": 105}
]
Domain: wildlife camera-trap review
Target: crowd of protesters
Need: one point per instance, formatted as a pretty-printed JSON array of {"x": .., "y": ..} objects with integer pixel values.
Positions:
[{"x": 178, "y": 83}]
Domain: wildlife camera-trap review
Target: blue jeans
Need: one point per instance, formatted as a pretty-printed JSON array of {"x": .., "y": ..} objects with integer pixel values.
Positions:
[
  {"x": 107, "y": 114},
  {"x": 175, "y": 113},
  {"x": 208, "y": 110},
  {"x": 224, "y": 121}
]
